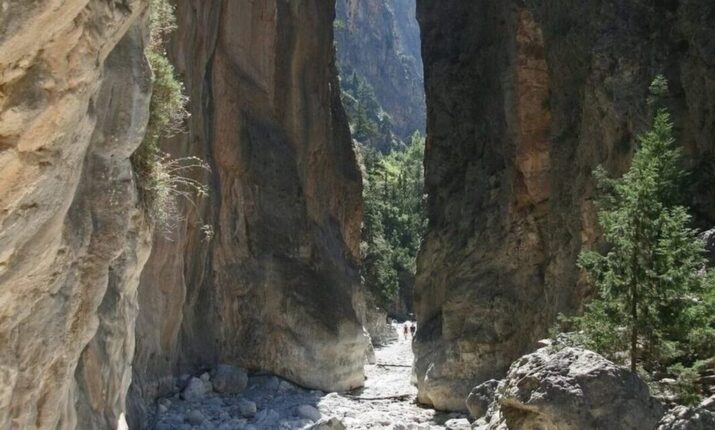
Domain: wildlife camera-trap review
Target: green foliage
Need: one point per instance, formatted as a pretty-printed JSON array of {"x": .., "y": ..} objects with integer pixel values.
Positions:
[
  {"x": 654, "y": 293},
  {"x": 339, "y": 25},
  {"x": 369, "y": 123},
  {"x": 163, "y": 179},
  {"x": 394, "y": 217}
]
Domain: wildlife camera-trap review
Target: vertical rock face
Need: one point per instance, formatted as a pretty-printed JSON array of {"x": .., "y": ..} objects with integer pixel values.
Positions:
[
  {"x": 524, "y": 101},
  {"x": 275, "y": 287},
  {"x": 379, "y": 39},
  {"x": 72, "y": 241}
]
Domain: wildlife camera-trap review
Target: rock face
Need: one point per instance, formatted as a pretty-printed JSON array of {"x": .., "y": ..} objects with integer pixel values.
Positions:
[
  {"x": 571, "y": 389},
  {"x": 275, "y": 288},
  {"x": 524, "y": 101},
  {"x": 72, "y": 241},
  {"x": 684, "y": 418},
  {"x": 379, "y": 39}
]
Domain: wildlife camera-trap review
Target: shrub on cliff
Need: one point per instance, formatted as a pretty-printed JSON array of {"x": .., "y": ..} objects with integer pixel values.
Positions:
[
  {"x": 654, "y": 292},
  {"x": 162, "y": 179}
]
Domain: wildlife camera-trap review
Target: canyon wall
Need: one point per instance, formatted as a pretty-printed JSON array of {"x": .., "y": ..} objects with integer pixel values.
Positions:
[
  {"x": 524, "y": 100},
  {"x": 274, "y": 285},
  {"x": 72, "y": 240},
  {"x": 379, "y": 40}
]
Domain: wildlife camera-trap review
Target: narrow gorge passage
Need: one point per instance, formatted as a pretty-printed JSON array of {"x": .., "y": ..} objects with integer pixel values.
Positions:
[{"x": 388, "y": 400}]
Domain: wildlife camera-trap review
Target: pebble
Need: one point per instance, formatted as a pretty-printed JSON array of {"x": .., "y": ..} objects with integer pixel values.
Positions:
[{"x": 247, "y": 408}]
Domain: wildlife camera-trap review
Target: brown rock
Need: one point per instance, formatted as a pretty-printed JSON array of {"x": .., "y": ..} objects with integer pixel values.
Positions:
[
  {"x": 524, "y": 101},
  {"x": 72, "y": 241},
  {"x": 275, "y": 289}
]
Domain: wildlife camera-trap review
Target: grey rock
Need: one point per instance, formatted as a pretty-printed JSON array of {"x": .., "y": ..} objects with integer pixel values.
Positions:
[
  {"x": 308, "y": 411},
  {"x": 572, "y": 389},
  {"x": 195, "y": 417},
  {"x": 457, "y": 424},
  {"x": 285, "y": 386},
  {"x": 684, "y": 418},
  {"x": 195, "y": 389},
  {"x": 232, "y": 424},
  {"x": 708, "y": 403},
  {"x": 331, "y": 423},
  {"x": 227, "y": 379},
  {"x": 481, "y": 397},
  {"x": 247, "y": 408}
]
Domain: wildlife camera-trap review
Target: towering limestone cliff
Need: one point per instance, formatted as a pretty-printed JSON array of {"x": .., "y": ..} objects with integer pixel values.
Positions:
[
  {"x": 379, "y": 40},
  {"x": 263, "y": 274},
  {"x": 524, "y": 100},
  {"x": 74, "y": 99},
  {"x": 276, "y": 287}
]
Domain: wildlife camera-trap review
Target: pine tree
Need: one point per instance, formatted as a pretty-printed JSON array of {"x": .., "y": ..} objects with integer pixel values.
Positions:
[{"x": 651, "y": 284}]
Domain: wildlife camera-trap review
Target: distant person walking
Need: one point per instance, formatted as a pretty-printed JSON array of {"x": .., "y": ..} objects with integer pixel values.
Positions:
[
  {"x": 413, "y": 328},
  {"x": 405, "y": 330}
]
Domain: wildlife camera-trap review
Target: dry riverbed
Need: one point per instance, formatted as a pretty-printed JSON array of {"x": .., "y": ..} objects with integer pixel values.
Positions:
[{"x": 387, "y": 401}]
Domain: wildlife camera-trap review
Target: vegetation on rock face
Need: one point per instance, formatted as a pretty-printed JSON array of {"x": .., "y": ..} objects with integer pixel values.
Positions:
[
  {"x": 394, "y": 217},
  {"x": 655, "y": 295},
  {"x": 162, "y": 179},
  {"x": 370, "y": 124}
]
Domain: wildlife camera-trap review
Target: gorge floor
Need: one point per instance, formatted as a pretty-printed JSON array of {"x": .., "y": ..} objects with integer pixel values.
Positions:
[{"x": 387, "y": 401}]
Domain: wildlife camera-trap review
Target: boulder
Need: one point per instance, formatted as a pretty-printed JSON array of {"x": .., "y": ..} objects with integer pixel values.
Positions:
[
  {"x": 571, "y": 389},
  {"x": 684, "y": 418},
  {"x": 481, "y": 397},
  {"x": 195, "y": 389},
  {"x": 227, "y": 379}
]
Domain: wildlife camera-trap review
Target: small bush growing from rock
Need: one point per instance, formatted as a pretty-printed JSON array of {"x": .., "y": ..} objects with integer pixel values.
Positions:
[{"x": 162, "y": 179}]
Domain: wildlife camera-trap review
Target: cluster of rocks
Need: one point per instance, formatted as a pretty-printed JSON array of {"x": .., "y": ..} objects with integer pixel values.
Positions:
[
  {"x": 565, "y": 388},
  {"x": 227, "y": 398}
]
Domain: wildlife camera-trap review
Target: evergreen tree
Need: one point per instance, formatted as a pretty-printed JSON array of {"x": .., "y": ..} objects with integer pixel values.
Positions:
[
  {"x": 653, "y": 291},
  {"x": 394, "y": 217}
]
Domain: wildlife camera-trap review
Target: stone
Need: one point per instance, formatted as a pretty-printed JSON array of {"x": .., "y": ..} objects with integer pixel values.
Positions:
[
  {"x": 232, "y": 424},
  {"x": 370, "y": 354},
  {"x": 285, "y": 386},
  {"x": 195, "y": 417},
  {"x": 267, "y": 418},
  {"x": 308, "y": 411},
  {"x": 571, "y": 389},
  {"x": 330, "y": 423},
  {"x": 685, "y": 418},
  {"x": 708, "y": 403},
  {"x": 481, "y": 397},
  {"x": 457, "y": 424},
  {"x": 162, "y": 409},
  {"x": 195, "y": 389},
  {"x": 510, "y": 195},
  {"x": 227, "y": 379},
  {"x": 247, "y": 408}
]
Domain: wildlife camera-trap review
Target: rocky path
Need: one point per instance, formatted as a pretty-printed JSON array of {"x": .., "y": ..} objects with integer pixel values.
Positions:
[{"x": 387, "y": 401}]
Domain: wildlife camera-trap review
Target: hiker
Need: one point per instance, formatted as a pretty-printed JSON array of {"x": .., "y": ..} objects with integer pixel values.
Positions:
[
  {"x": 413, "y": 328},
  {"x": 405, "y": 330}
]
